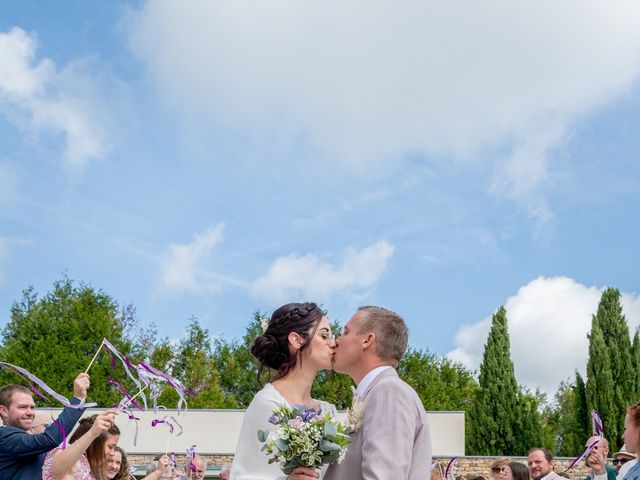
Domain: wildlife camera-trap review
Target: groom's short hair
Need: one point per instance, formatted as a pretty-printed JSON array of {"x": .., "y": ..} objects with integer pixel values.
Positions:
[{"x": 391, "y": 332}]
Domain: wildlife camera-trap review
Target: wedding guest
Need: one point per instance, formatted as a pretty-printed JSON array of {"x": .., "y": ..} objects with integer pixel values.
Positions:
[
  {"x": 515, "y": 471},
  {"x": 540, "y": 463},
  {"x": 623, "y": 461},
  {"x": 22, "y": 454},
  {"x": 631, "y": 439},
  {"x": 498, "y": 466},
  {"x": 196, "y": 468},
  {"x": 89, "y": 449},
  {"x": 118, "y": 466},
  {"x": 597, "y": 458}
]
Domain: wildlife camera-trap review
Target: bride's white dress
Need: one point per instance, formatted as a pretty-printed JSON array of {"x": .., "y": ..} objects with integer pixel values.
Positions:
[{"x": 249, "y": 462}]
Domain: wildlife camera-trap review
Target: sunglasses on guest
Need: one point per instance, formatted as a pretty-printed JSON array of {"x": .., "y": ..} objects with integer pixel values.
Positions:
[{"x": 621, "y": 461}]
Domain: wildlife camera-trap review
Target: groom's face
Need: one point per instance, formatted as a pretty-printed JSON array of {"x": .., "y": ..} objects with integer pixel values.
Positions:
[{"x": 348, "y": 346}]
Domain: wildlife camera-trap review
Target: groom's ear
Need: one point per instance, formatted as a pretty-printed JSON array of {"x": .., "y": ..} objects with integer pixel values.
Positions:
[{"x": 368, "y": 340}]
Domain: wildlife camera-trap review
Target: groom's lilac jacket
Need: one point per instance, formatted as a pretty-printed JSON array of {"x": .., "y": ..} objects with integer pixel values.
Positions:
[{"x": 394, "y": 441}]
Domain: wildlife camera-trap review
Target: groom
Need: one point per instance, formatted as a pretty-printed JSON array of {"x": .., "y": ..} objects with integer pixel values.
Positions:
[{"x": 393, "y": 439}]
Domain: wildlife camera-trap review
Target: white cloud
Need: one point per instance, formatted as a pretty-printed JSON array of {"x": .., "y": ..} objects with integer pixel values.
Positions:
[
  {"x": 187, "y": 267},
  {"x": 369, "y": 81},
  {"x": 549, "y": 319},
  {"x": 311, "y": 277},
  {"x": 41, "y": 98}
]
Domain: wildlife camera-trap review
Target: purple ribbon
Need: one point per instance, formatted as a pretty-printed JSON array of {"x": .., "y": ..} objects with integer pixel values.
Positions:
[
  {"x": 150, "y": 375},
  {"x": 31, "y": 379},
  {"x": 191, "y": 455},
  {"x": 64, "y": 433},
  {"x": 584, "y": 454},
  {"x": 170, "y": 421},
  {"x": 596, "y": 424},
  {"x": 449, "y": 469}
]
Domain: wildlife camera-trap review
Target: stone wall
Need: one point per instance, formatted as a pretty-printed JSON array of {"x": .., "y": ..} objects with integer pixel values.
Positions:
[
  {"x": 481, "y": 466},
  {"x": 464, "y": 466}
]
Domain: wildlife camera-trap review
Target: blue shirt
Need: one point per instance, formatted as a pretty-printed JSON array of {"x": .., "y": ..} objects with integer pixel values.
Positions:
[
  {"x": 634, "y": 473},
  {"x": 22, "y": 454}
]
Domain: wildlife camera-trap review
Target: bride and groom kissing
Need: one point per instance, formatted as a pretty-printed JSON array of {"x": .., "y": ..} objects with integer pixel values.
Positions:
[{"x": 391, "y": 439}]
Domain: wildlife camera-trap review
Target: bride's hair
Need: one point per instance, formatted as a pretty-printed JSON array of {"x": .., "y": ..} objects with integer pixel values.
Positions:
[{"x": 271, "y": 348}]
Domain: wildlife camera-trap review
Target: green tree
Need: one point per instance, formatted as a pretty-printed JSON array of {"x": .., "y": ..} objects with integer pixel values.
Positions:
[
  {"x": 195, "y": 367},
  {"x": 440, "y": 383},
  {"x": 56, "y": 336},
  {"x": 493, "y": 416},
  {"x": 237, "y": 367},
  {"x": 582, "y": 416},
  {"x": 562, "y": 433},
  {"x": 615, "y": 332},
  {"x": 599, "y": 387},
  {"x": 528, "y": 428},
  {"x": 635, "y": 358}
]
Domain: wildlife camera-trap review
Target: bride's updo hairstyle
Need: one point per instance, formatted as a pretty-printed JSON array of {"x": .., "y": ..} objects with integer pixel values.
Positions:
[{"x": 271, "y": 348}]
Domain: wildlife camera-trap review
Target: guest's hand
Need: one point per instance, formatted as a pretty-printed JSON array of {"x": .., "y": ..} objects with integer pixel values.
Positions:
[
  {"x": 596, "y": 462},
  {"x": 80, "y": 386},
  {"x": 303, "y": 473},
  {"x": 103, "y": 422},
  {"x": 163, "y": 463}
]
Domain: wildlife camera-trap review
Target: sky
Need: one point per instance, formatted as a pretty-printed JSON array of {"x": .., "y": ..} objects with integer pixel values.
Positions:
[{"x": 213, "y": 158}]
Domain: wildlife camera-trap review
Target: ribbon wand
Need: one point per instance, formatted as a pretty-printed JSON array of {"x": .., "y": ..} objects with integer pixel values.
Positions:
[{"x": 95, "y": 356}]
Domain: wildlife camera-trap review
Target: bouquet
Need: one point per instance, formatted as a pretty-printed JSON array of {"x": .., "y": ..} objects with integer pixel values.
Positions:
[{"x": 304, "y": 438}]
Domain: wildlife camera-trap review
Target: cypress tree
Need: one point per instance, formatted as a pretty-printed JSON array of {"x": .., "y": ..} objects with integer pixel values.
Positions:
[
  {"x": 493, "y": 416},
  {"x": 582, "y": 417},
  {"x": 615, "y": 333},
  {"x": 635, "y": 358},
  {"x": 599, "y": 388}
]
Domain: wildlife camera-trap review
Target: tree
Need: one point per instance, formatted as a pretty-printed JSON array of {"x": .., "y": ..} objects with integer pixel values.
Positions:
[
  {"x": 615, "y": 332},
  {"x": 528, "y": 428},
  {"x": 195, "y": 367},
  {"x": 582, "y": 417},
  {"x": 237, "y": 367},
  {"x": 635, "y": 358},
  {"x": 493, "y": 417},
  {"x": 440, "y": 383},
  {"x": 599, "y": 387},
  {"x": 55, "y": 337},
  {"x": 564, "y": 436}
]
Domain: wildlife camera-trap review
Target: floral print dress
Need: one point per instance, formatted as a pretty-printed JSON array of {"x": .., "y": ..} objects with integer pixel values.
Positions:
[{"x": 80, "y": 471}]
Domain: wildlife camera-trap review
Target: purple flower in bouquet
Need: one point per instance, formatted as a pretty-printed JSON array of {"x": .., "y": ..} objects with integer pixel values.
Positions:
[{"x": 309, "y": 414}]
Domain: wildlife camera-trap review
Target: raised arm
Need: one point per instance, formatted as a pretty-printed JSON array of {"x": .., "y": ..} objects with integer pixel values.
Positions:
[{"x": 63, "y": 460}]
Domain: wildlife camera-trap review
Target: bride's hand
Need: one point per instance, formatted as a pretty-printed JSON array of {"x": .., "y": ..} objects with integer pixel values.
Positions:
[{"x": 303, "y": 473}]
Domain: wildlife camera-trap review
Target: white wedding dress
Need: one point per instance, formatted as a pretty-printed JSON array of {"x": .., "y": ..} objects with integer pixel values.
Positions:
[{"x": 249, "y": 462}]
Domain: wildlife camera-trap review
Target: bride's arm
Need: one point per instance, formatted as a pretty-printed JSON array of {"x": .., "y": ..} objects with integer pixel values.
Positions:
[{"x": 249, "y": 462}]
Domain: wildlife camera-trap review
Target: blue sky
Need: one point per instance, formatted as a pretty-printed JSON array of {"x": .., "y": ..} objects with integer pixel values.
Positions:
[{"x": 213, "y": 158}]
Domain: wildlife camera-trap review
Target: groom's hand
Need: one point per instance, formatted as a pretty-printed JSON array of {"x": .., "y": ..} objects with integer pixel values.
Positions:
[{"x": 303, "y": 473}]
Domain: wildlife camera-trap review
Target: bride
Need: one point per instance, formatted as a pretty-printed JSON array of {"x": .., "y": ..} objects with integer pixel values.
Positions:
[{"x": 295, "y": 346}]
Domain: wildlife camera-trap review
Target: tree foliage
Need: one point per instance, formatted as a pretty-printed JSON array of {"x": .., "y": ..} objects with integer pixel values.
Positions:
[
  {"x": 56, "y": 336},
  {"x": 610, "y": 366},
  {"x": 599, "y": 386},
  {"x": 493, "y": 416}
]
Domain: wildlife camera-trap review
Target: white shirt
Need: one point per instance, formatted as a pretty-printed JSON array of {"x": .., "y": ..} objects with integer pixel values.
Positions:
[{"x": 368, "y": 378}]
